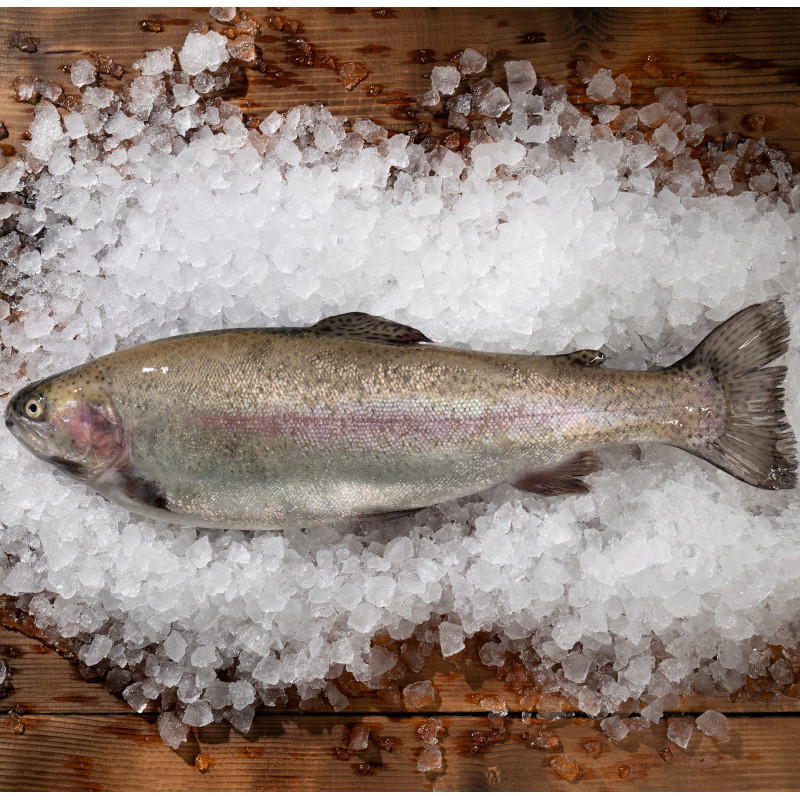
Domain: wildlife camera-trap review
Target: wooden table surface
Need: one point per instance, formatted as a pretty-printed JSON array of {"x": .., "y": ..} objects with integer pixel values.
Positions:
[{"x": 59, "y": 731}]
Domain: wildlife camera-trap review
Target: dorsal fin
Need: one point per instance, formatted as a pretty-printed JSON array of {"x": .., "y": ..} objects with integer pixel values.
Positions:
[
  {"x": 357, "y": 325},
  {"x": 563, "y": 477},
  {"x": 584, "y": 358}
]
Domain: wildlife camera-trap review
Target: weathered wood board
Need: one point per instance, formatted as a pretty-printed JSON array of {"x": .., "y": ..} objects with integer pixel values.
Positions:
[{"x": 58, "y": 730}]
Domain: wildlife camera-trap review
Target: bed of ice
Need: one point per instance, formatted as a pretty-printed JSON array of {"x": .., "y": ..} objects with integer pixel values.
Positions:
[{"x": 154, "y": 211}]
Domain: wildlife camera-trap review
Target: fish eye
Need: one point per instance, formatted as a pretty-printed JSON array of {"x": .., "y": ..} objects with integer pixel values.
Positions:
[{"x": 34, "y": 407}]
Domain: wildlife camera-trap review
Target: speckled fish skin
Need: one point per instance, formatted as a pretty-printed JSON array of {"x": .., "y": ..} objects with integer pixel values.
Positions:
[{"x": 270, "y": 428}]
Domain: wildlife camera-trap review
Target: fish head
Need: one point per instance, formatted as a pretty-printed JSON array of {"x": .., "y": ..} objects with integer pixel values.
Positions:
[{"x": 69, "y": 422}]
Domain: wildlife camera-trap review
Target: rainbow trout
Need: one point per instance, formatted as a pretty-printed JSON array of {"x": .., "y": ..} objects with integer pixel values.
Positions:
[{"x": 358, "y": 417}]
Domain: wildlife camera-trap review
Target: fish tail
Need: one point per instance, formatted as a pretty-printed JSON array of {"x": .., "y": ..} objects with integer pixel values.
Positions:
[{"x": 753, "y": 441}]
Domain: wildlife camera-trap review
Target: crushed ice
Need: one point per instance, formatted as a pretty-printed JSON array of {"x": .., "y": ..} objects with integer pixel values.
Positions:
[{"x": 155, "y": 210}]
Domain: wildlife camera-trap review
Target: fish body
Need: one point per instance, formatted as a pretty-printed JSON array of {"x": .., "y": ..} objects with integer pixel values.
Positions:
[{"x": 356, "y": 417}]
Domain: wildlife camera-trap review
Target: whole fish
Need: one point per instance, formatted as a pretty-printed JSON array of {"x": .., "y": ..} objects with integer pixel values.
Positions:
[{"x": 358, "y": 417}]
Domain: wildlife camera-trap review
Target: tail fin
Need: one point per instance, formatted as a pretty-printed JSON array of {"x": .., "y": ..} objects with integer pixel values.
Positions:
[{"x": 756, "y": 443}]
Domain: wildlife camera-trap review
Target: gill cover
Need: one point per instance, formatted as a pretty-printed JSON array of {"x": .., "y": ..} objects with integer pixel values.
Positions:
[{"x": 69, "y": 422}]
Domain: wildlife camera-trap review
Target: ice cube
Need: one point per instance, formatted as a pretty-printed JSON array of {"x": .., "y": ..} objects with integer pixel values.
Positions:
[
  {"x": 418, "y": 695},
  {"x": 494, "y": 103},
  {"x": 666, "y": 138},
  {"x": 602, "y": 86},
  {"x": 203, "y": 52},
  {"x": 222, "y": 14},
  {"x": 715, "y": 725},
  {"x": 429, "y": 730},
  {"x": 430, "y": 758},
  {"x": 171, "y": 729},
  {"x": 521, "y": 78},
  {"x": 471, "y": 62},
  {"x": 653, "y": 115},
  {"x": 704, "y": 114},
  {"x": 82, "y": 72},
  {"x": 679, "y": 730},
  {"x": 198, "y": 714},
  {"x": 576, "y": 667},
  {"x": 359, "y": 739},
  {"x": 451, "y": 638},
  {"x": 615, "y": 728},
  {"x": 566, "y": 767},
  {"x": 673, "y": 98},
  {"x": 445, "y": 80}
]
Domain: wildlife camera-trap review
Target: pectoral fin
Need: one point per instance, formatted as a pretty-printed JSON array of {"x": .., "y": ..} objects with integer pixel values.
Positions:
[
  {"x": 563, "y": 477},
  {"x": 142, "y": 491},
  {"x": 357, "y": 325}
]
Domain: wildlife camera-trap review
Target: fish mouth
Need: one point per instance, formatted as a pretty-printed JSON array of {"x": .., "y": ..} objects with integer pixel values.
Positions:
[{"x": 34, "y": 439}]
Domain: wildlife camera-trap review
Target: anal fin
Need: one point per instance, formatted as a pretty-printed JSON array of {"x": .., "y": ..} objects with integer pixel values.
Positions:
[
  {"x": 381, "y": 516},
  {"x": 563, "y": 477}
]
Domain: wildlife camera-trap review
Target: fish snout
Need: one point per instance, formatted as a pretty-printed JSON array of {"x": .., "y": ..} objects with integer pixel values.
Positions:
[{"x": 9, "y": 423}]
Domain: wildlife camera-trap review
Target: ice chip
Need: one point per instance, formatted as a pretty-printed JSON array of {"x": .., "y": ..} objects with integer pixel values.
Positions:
[
  {"x": 494, "y": 103},
  {"x": 155, "y": 62},
  {"x": 445, "y": 80},
  {"x": 673, "y": 98},
  {"x": 602, "y": 86},
  {"x": 222, "y": 14},
  {"x": 679, "y": 730},
  {"x": 419, "y": 695},
  {"x": 135, "y": 698},
  {"x": 653, "y": 115},
  {"x": 364, "y": 618},
  {"x": 521, "y": 78},
  {"x": 430, "y": 758},
  {"x": 666, "y": 138},
  {"x": 704, "y": 114},
  {"x": 715, "y": 725},
  {"x": 198, "y": 714},
  {"x": 576, "y": 667},
  {"x": 471, "y": 62},
  {"x": 615, "y": 728},
  {"x": 82, "y": 72},
  {"x": 171, "y": 729},
  {"x": 359, "y": 739},
  {"x": 203, "y": 52},
  {"x": 451, "y": 638}
]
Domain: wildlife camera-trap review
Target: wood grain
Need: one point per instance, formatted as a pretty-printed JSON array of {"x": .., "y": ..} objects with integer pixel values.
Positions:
[
  {"x": 745, "y": 61},
  {"x": 291, "y": 752},
  {"x": 43, "y": 681},
  {"x": 56, "y": 729}
]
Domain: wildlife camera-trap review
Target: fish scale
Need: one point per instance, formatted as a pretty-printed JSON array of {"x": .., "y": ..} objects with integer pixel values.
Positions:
[{"x": 358, "y": 416}]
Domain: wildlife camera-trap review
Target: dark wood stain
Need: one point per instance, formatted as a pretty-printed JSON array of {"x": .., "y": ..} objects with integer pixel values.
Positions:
[
  {"x": 716, "y": 16},
  {"x": 532, "y": 37},
  {"x": 373, "y": 49},
  {"x": 82, "y": 767},
  {"x": 131, "y": 734},
  {"x": 422, "y": 56},
  {"x": 738, "y": 61},
  {"x": 791, "y": 75},
  {"x": 341, "y": 10},
  {"x": 251, "y": 752},
  {"x": 75, "y": 698}
]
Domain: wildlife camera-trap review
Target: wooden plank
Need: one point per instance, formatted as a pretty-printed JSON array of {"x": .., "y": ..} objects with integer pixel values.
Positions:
[
  {"x": 44, "y": 682},
  {"x": 299, "y": 752},
  {"x": 744, "y": 60}
]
